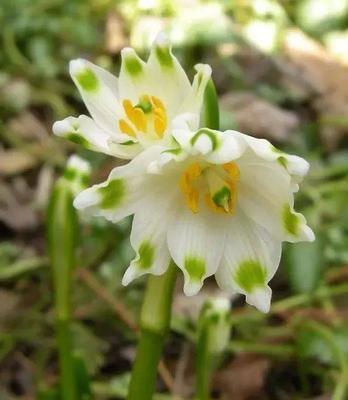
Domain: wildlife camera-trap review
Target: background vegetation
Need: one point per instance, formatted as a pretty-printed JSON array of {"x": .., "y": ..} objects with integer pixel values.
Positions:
[{"x": 281, "y": 70}]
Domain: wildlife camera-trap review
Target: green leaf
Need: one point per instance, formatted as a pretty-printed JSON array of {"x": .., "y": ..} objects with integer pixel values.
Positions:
[
  {"x": 82, "y": 379},
  {"x": 210, "y": 113},
  {"x": 304, "y": 263}
]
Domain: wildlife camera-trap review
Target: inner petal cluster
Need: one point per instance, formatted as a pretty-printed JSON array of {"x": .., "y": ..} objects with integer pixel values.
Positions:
[
  {"x": 216, "y": 185},
  {"x": 148, "y": 116}
]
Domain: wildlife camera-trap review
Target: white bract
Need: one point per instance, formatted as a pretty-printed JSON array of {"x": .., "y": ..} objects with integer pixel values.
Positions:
[
  {"x": 135, "y": 110},
  {"x": 217, "y": 203}
]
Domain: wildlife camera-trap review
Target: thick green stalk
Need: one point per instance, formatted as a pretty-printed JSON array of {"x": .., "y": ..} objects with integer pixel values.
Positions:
[
  {"x": 210, "y": 117},
  {"x": 214, "y": 327},
  {"x": 205, "y": 362},
  {"x": 154, "y": 325},
  {"x": 61, "y": 231}
]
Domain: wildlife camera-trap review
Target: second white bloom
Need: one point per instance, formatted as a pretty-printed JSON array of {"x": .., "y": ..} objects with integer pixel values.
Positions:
[{"x": 219, "y": 203}]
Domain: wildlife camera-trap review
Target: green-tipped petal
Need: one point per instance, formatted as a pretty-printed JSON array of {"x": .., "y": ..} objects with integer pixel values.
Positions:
[{"x": 99, "y": 90}]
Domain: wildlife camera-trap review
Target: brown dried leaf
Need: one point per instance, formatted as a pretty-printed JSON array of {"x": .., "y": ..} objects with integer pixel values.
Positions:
[
  {"x": 326, "y": 76},
  {"x": 115, "y": 38},
  {"x": 15, "y": 207},
  {"x": 258, "y": 117},
  {"x": 242, "y": 378},
  {"x": 27, "y": 126},
  {"x": 14, "y": 162}
]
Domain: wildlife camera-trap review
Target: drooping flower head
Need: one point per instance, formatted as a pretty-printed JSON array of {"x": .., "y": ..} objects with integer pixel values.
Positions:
[
  {"x": 135, "y": 110},
  {"x": 217, "y": 203}
]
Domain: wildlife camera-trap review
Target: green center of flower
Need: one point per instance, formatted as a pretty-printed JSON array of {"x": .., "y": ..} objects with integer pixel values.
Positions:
[
  {"x": 148, "y": 116},
  {"x": 216, "y": 184}
]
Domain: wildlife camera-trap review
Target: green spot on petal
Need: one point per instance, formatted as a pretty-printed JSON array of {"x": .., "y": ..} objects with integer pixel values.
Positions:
[
  {"x": 112, "y": 194},
  {"x": 290, "y": 220},
  {"x": 250, "y": 275},
  {"x": 176, "y": 152},
  {"x": 133, "y": 65},
  {"x": 283, "y": 161},
  {"x": 195, "y": 267},
  {"x": 87, "y": 80},
  {"x": 164, "y": 57},
  {"x": 146, "y": 255},
  {"x": 128, "y": 143},
  {"x": 211, "y": 135},
  {"x": 78, "y": 139}
]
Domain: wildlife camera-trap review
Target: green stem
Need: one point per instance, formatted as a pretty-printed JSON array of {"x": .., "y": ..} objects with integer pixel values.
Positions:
[
  {"x": 62, "y": 222},
  {"x": 214, "y": 328},
  {"x": 205, "y": 362},
  {"x": 154, "y": 325},
  {"x": 210, "y": 114}
]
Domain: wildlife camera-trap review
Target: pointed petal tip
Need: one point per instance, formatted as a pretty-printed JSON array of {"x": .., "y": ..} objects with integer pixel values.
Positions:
[
  {"x": 161, "y": 40},
  {"x": 308, "y": 234},
  {"x": 128, "y": 276},
  {"x": 76, "y": 66},
  {"x": 60, "y": 127},
  {"x": 128, "y": 52},
  {"x": 260, "y": 298},
  {"x": 192, "y": 288},
  {"x": 85, "y": 199},
  {"x": 205, "y": 69}
]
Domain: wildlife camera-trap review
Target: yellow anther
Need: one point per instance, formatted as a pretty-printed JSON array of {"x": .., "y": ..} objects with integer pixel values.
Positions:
[
  {"x": 159, "y": 126},
  {"x": 191, "y": 193},
  {"x": 194, "y": 171},
  {"x": 128, "y": 108},
  {"x": 232, "y": 169},
  {"x": 193, "y": 200},
  {"x": 147, "y": 116},
  {"x": 157, "y": 103},
  {"x": 126, "y": 128},
  {"x": 139, "y": 119},
  {"x": 135, "y": 115}
]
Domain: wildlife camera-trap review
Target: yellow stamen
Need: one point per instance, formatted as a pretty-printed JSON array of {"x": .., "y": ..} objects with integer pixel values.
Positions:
[
  {"x": 139, "y": 119},
  {"x": 157, "y": 103},
  {"x": 126, "y": 128},
  {"x": 159, "y": 125},
  {"x": 191, "y": 194},
  {"x": 232, "y": 169},
  {"x": 135, "y": 115}
]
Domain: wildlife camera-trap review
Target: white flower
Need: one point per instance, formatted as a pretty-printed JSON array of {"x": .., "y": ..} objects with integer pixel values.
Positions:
[
  {"x": 219, "y": 203},
  {"x": 136, "y": 110}
]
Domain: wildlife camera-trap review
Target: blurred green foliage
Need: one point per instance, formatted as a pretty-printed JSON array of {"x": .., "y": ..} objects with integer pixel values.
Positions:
[{"x": 244, "y": 42}]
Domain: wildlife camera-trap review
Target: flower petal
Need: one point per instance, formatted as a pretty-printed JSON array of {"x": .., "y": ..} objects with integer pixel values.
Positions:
[
  {"x": 296, "y": 166},
  {"x": 122, "y": 193},
  {"x": 84, "y": 131},
  {"x": 148, "y": 236},
  {"x": 263, "y": 190},
  {"x": 251, "y": 258},
  {"x": 168, "y": 79},
  {"x": 195, "y": 243},
  {"x": 193, "y": 102},
  {"x": 295, "y": 226},
  {"x": 133, "y": 78},
  {"x": 99, "y": 90}
]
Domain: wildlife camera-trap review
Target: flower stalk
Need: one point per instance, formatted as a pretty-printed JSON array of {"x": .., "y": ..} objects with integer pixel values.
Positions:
[
  {"x": 154, "y": 325},
  {"x": 213, "y": 335},
  {"x": 61, "y": 232}
]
